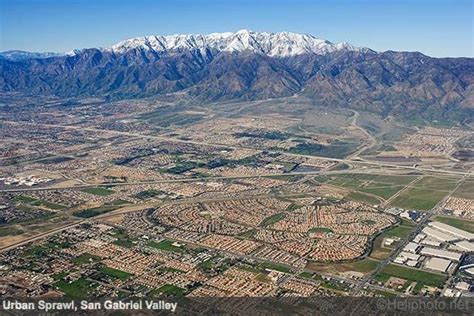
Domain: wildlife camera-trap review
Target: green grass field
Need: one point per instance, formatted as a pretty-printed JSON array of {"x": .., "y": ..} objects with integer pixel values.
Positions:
[
  {"x": 169, "y": 289},
  {"x": 123, "y": 238},
  {"x": 10, "y": 231},
  {"x": 426, "y": 193},
  {"x": 23, "y": 198},
  {"x": 78, "y": 289},
  {"x": 143, "y": 195},
  {"x": 116, "y": 274},
  {"x": 419, "y": 199},
  {"x": 361, "y": 197},
  {"x": 39, "y": 202},
  {"x": 274, "y": 266},
  {"x": 399, "y": 231},
  {"x": 272, "y": 219},
  {"x": 166, "y": 245},
  {"x": 379, "y": 185},
  {"x": 412, "y": 275},
  {"x": 85, "y": 258},
  {"x": 465, "y": 190},
  {"x": 95, "y": 211},
  {"x": 384, "y": 192},
  {"x": 363, "y": 266},
  {"x": 380, "y": 252},
  {"x": 98, "y": 191}
]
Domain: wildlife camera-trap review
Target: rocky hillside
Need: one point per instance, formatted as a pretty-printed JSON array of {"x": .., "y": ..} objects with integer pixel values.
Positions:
[{"x": 248, "y": 65}]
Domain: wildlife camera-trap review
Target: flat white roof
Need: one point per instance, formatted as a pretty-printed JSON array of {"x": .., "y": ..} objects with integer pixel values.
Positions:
[
  {"x": 439, "y": 235},
  {"x": 441, "y": 253},
  {"x": 409, "y": 255},
  {"x": 411, "y": 247},
  {"x": 438, "y": 264},
  {"x": 452, "y": 230},
  {"x": 430, "y": 241},
  {"x": 465, "y": 245}
]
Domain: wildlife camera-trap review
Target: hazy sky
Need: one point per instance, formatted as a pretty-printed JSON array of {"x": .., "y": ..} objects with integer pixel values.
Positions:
[{"x": 433, "y": 27}]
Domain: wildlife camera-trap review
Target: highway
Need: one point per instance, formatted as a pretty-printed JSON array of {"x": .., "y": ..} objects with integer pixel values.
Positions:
[
  {"x": 352, "y": 160},
  {"x": 224, "y": 146}
]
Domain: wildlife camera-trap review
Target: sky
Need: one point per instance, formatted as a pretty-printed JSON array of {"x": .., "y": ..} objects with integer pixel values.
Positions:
[{"x": 439, "y": 28}]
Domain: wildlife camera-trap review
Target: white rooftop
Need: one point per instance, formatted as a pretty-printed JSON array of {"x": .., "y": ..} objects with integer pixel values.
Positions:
[
  {"x": 411, "y": 247},
  {"x": 439, "y": 235},
  {"x": 465, "y": 245},
  {"x": 441, "y": 253},
  {"x": 452, "y": 230},
  {"x": 438, "y": 264}
]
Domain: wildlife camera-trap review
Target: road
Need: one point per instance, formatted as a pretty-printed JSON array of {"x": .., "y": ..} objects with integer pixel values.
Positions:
[
  {"x": 418, "y": 228},
  {"x": 184, "y": 180},
  {"x": 359, "y": 284},
  {"x": 224, "y": 146},
  {"x": 371, "y": 140}
]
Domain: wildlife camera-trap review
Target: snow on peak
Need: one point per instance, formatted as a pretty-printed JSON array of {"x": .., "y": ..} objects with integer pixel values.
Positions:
[{"x": 280, "y": 44}]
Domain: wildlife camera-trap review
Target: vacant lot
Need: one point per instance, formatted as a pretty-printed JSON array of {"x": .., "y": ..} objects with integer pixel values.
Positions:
[
  {"x": 363, "y": 266},
  {"x": 465, "y": 190},
  {"x": 98, "y": 191},
  {"x": 362, "y": 197},
  {"x": 425, "y": 194},
  {"x": 416, "y": 275},
  {"x": 95, "y": 211},
  {"x": 378, "y": 185},
  {"x": 379, "y": 251}
]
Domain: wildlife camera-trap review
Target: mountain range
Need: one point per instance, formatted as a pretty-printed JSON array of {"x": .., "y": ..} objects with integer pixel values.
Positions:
[{"x": 248, "y": 65}]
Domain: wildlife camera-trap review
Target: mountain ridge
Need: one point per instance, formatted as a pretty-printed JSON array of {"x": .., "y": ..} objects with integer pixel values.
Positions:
[{"x": 249, "y": 65}]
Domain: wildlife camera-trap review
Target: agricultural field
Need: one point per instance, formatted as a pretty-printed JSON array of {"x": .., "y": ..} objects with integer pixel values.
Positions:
[
  {"x": 426, "y": 194},
  {"x": 367, "y": 187}
]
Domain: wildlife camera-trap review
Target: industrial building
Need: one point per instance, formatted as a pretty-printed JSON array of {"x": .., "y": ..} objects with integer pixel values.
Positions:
[
  {"x": 439, "y": 235},
  {"x": 433, "y": 252},
  {"x": 465, "y": 245},
  {"x": 438, "y": 264},
  {"x": 412, "y": 247},
  {"x": 459, "y": 233}
]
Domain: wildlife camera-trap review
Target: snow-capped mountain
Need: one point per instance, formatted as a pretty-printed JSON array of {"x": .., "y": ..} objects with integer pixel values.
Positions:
[
  {"x": 282, "y": 44},
  {"x": 16, "y": 55},
  {"x": 248, "y": 65}
]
